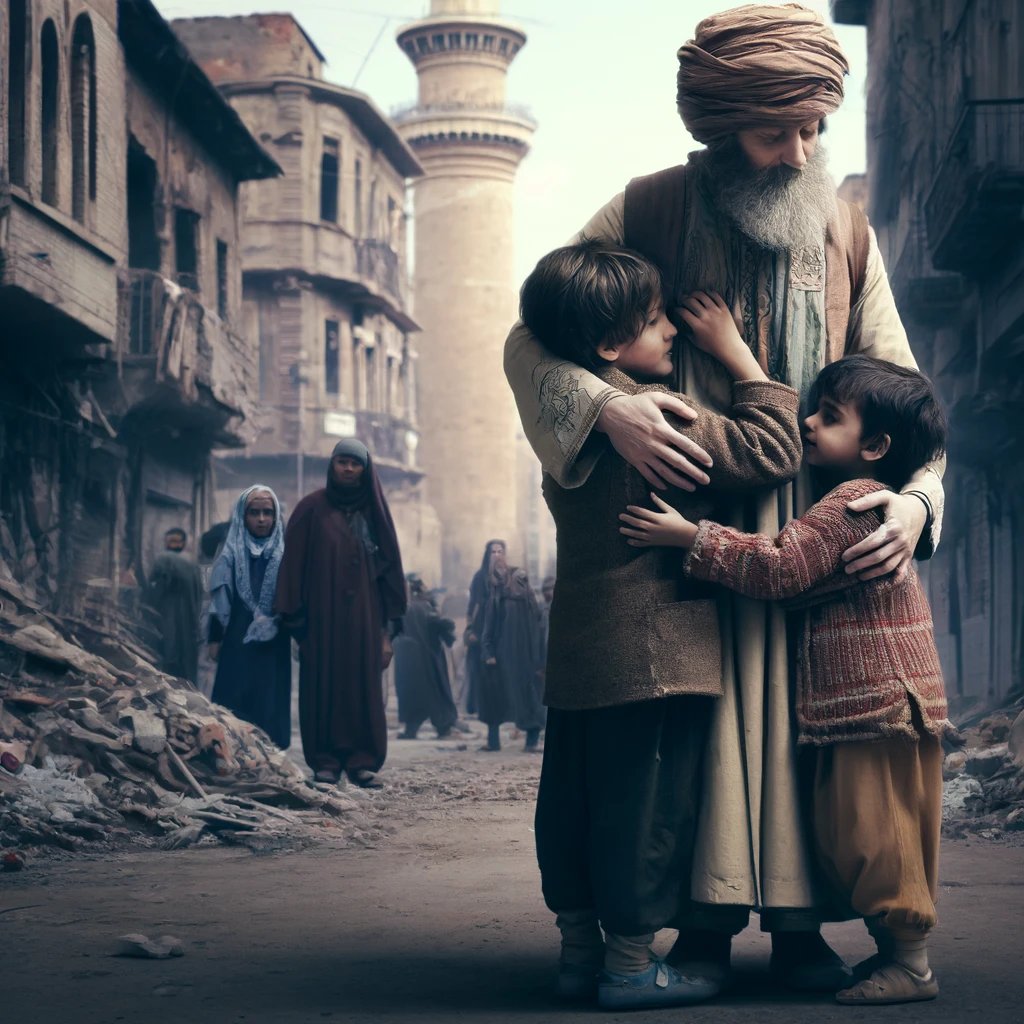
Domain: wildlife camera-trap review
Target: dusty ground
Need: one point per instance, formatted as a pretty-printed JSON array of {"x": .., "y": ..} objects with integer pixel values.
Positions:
[{"x": 437, "y": 918}]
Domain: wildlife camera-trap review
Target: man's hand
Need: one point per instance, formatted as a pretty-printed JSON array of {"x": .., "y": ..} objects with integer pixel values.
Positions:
[
  {"x": 388, "y": 652},
  {"x": 491, "y": 661},
  {"x": 892, "y": 545},
  {"x": 647, "y": 528},
  {"x": 639, "y": 432},
  {"x": 213, "y": 650}
]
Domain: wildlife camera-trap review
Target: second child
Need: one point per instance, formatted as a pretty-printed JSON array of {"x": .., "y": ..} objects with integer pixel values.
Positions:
[{"x": 869, "y": 692}]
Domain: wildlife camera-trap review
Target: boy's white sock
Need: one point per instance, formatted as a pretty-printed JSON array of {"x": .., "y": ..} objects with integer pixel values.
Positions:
[
  {"x": 627, "y": 954},
  {"x": 582, "y": 941},
  {"x": 912, "y": 953}
]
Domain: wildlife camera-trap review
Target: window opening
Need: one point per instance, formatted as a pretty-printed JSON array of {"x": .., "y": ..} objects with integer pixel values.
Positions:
[
  {"x": 48, "y": 139},
  {"x": 17, "y": 40},
  {"x": 329, "y": 166},
  {"x": 186, "y": 248}
]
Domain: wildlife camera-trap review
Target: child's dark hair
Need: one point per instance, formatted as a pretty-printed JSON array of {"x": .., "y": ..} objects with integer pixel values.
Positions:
[
  {"x": 894, "y": 400},
  {"x": 585, "y": 295}
]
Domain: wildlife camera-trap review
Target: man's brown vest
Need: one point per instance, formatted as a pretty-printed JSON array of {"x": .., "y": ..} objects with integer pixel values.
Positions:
[{"x": 655, "y": 224}]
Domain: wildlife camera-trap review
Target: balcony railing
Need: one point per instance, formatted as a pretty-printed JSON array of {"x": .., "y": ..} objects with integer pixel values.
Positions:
[
  {"x": 921, "y": 292},
  {"x": 519, "y": 111},
  {"x": 378, "y": 263},
  {"x": 385, "y": 436},
  {"x": 195, "y": 363},
  {"x": 974, "y": 208}
]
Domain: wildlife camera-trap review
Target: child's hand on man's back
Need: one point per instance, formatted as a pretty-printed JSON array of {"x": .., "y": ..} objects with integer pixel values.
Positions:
[{"x": 646, "y": 528}]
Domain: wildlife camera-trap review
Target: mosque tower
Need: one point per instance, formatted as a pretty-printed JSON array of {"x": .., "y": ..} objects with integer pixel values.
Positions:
[{"x": 470, "y": 143}]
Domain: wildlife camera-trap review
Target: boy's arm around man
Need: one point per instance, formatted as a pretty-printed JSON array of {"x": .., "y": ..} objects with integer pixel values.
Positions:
[
  {"x": 758, "y": 444},
  {"x": 804, "y": 561}
]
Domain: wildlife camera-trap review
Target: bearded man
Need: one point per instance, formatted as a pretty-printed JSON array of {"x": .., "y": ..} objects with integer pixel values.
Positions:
[{"x": 754, "y": 217}]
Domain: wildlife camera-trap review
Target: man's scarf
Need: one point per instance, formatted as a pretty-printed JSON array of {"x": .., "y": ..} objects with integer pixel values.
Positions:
[
  {"x": 230, "y": 573},
  {"x": 758, "y": 65}
]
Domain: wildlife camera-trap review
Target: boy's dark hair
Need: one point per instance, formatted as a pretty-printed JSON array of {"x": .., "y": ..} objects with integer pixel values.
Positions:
[
  {"x": 894, "y": 400},
  {"x": 584, "y": 295}
]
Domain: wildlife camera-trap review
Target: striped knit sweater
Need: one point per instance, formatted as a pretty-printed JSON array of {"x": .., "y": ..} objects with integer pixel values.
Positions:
[{"x": 867, "y": 649}]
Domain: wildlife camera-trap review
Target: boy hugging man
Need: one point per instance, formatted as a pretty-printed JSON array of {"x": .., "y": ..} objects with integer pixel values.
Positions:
[
  {"x": 869, "y": 699},
  {"x": 634, "y": 652}
]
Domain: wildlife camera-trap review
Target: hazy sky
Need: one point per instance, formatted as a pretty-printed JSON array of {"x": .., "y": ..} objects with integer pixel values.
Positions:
[{"x": 598, "y": 76}]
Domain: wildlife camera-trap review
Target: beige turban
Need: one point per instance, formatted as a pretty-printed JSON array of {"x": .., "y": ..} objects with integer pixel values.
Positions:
[{"x": 758, "y": 64}]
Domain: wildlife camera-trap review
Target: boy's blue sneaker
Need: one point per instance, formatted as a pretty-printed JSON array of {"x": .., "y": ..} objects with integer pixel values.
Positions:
[{"x": 660, "y": 985}]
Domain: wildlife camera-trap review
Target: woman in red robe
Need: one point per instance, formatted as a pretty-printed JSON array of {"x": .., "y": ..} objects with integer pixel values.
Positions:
[{"x": 339, "y": 590}]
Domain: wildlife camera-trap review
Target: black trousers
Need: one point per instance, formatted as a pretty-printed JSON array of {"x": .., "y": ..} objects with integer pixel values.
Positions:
[{"x": 617, "y": 810}]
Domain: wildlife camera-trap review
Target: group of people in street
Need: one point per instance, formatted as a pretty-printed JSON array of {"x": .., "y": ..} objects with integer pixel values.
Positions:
[
  {"x": 506, "y": 649},
  {"x": 332, "y": 581}
]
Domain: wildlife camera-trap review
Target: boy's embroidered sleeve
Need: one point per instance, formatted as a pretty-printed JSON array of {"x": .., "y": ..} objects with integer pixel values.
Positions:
[
  {"x": 803, "y": 561},
  {"x": 558, "y": 405},
  {"x": 758, "y": 443},
  {"x": 558, "y": 401}
]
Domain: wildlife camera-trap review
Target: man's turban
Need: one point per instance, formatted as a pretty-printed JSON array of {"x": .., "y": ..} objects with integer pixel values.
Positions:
[{"x": 758, "y": 64}]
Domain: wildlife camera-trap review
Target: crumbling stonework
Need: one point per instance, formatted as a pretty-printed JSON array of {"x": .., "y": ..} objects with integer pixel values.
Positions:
[{"x": 120, "y": 296}]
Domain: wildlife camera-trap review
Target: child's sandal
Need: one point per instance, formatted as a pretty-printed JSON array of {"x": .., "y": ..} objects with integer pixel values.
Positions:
[{"x": 892, "y": 983}]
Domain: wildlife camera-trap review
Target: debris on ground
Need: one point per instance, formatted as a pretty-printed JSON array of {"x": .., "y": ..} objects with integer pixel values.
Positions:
[
  {"x": 106, "y": 751},
  {"x": 983, "y": 792},
  {"x": 162, "y": 948}
]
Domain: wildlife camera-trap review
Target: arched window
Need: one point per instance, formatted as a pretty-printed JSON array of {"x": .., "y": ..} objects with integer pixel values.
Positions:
[
  {"x": 50, "y": 66},
  {"x": 17, "y": 67},
  {"x": 83, "y": 117}
]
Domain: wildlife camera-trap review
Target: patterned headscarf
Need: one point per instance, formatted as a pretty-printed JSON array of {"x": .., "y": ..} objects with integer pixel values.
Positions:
[
  {"x": 758, "y": 64},
  {"x": 231, "y": 570}
]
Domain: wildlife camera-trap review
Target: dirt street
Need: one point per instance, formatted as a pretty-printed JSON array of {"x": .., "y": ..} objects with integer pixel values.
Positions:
[{"x": 434, "y": 914}]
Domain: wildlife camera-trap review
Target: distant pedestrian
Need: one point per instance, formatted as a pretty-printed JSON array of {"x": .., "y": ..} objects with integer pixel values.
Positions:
[
  {"x": 340, "y": 591},
  {"x": 421, "y": 667},
  {"x": 512, "y": 685},
  {"x": 175, "y": 594},
  {"x": 479, "y": 590},
  {"x": 252, "y": 653}
]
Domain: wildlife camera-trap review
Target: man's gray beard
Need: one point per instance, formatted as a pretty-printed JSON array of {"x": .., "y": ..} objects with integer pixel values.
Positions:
[{"x": 779, "y": 208}]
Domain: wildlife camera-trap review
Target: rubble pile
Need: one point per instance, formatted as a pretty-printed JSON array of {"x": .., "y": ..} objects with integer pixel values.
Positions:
[
  {"x": 983, "y": 792},
  {"x": 108, "y": 750}
]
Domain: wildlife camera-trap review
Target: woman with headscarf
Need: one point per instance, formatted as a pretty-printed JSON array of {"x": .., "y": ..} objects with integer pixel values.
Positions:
[
  {"x": 479, "y": 591},
  {"x": 512, "y": 685},
  {"x": 253, "y": 655},
  {"x": 340, "y": 591}
]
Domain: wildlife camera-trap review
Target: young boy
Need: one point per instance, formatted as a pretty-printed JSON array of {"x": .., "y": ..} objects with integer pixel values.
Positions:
[
  {"x": 869, "y": 687},
  {"x": 634, "y": 657}
]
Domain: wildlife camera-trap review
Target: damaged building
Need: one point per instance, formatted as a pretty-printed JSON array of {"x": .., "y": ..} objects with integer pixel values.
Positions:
[
  {"x": 124, "y": 361},
  {"x": 326, "y": 292},
  {"x": 945, "y": 109}
]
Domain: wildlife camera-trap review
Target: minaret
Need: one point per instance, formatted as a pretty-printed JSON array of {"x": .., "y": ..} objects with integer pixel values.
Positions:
[{"x": 470, "y": 143}]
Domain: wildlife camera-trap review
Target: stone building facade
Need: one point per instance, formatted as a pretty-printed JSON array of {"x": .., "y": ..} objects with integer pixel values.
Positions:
[
  {"x": 120, "y": 295},
  {"x": 326, "y": 289},
  {"x": 470, "y": 142},
  {"x": 946, "y": 196}
]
